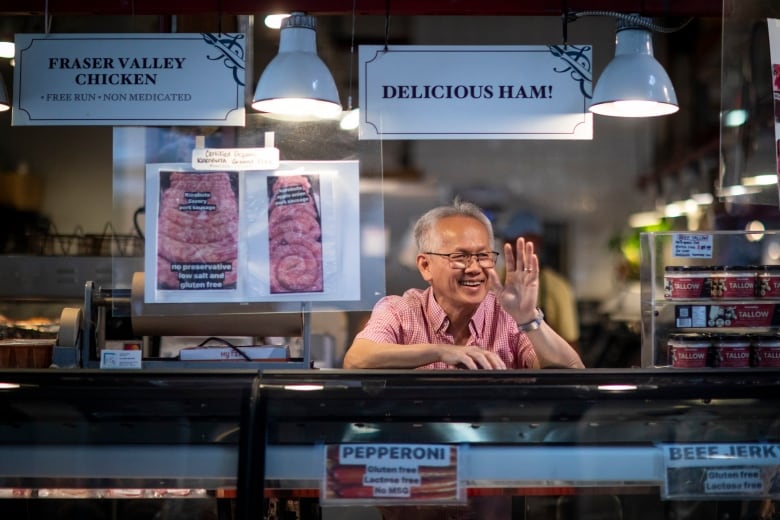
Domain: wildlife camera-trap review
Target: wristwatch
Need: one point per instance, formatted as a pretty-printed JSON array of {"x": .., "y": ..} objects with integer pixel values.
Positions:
[{"x": 533, "y": 324}]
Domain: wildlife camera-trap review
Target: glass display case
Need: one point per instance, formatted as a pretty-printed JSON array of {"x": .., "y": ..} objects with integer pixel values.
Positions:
[
  {"x": 710, "y": 299},
  {"x": 549, "y": 443},
  {"x": 596, "y": 443},
  {"x": 118, "y": 444}
]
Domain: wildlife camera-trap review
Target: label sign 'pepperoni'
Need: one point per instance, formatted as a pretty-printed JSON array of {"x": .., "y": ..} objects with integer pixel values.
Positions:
[{"x": 394, "y": 474}]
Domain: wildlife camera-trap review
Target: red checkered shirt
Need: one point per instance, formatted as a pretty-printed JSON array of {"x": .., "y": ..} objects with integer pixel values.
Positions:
[{"x": 415, "y": 317}]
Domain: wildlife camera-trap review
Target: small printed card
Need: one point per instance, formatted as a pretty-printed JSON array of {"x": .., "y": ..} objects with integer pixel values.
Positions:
[{"x": 120, "y": 359}]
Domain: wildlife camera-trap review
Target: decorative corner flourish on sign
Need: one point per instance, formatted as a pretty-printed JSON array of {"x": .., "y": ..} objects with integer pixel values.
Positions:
[
  {"x": 578, "y": 65},
  {"x": 231, "y": 52},
  {"x": 377, "y": 54}
]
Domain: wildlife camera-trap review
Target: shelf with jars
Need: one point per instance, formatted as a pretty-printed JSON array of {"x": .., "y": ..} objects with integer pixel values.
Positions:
[{"x": 711, "y": 299}]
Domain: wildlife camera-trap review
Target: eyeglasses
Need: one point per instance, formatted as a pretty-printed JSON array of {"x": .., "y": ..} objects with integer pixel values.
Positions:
[{"x": 463, "y": 260}]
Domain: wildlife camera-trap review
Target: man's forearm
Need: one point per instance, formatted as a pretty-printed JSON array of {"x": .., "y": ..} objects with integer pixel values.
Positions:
[
  {"x": 368, "y": 354},
  {"x": 552, "y": 351}
]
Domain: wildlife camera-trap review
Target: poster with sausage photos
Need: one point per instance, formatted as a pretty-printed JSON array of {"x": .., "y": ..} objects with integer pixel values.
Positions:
[{"x": 286, "y": 235}]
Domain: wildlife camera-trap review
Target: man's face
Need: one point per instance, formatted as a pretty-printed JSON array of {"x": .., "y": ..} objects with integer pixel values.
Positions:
[{"x": 455, "y": 289}]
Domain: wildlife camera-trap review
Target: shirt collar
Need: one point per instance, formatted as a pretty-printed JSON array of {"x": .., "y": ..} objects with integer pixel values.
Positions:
[{"x": 439, "y": 320}]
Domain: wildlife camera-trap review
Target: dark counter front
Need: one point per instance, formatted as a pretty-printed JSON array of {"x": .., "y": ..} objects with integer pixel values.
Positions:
[
  {"x": 127, "y": 429},
  {"x": 254, "y": 431}
]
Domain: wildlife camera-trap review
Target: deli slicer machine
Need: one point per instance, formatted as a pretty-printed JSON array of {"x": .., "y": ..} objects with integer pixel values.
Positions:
[{"x": 111, "y": 316}]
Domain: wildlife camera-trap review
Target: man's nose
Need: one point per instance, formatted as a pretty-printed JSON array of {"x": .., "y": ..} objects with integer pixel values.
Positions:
[{"x": 473, "y": 260}]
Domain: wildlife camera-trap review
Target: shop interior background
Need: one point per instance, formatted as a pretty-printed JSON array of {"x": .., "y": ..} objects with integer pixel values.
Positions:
[{"x": 584, "y": 191}]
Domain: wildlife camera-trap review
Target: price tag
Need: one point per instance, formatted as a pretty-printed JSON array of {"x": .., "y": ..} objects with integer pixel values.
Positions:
[{"x": 691, "y": 245}]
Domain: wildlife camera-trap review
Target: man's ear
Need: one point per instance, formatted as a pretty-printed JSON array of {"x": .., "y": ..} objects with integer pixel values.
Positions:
[{"x": 424, "y": 266}]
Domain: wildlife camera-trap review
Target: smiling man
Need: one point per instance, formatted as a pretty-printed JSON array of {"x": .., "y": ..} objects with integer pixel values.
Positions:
[{"x": 467, "y": 317}]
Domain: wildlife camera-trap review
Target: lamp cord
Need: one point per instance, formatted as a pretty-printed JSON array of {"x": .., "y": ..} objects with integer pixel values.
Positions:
[
  {"x": 635, "y": 19},
  {"x": 351, "y": 56},
  {"x": 219, "y": 17},
  {"x": 387, "y": 23},
  {"x": 46, "y": 18}
]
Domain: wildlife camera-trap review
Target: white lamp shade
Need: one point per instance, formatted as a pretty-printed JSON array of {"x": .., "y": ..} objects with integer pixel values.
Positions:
[
  {"x": 7, "y": 49},
  {"x": 634, "y": 84},
  {"x": 297, "y": 84}
]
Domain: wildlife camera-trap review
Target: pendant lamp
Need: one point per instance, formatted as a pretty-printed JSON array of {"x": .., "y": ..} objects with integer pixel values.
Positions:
[
  {"x": 296, "y": 84},
  {"x": 7, "y": 48},
  {"x": 634, "y": 84}
]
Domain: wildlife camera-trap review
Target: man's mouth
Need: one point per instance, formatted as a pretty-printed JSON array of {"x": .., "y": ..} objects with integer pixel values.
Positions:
[{"x": 471, "y": 283}]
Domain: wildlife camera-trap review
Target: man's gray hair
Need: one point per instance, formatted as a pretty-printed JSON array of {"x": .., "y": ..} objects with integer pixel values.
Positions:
[{"x": 423, "y": 229}]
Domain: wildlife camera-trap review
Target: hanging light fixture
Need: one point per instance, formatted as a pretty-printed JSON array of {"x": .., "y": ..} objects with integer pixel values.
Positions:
[
  {"x": 274, "y": 21},
  {"x": 634, "y": 84},
  {"x": 7, "y": 48},
  {"x": 296, "y": 84},
  {"x": 350, "y": 119}
]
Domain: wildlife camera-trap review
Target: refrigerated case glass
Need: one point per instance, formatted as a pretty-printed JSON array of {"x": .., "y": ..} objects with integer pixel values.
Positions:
[
  {"x": 748, "y": 148},
  {"x": 531, "y": 444}
]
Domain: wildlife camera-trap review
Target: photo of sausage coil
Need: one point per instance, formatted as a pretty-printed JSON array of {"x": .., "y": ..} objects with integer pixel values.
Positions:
[
  {"x": 294, "y": 235},
  {"x": 197, "y": 224}
]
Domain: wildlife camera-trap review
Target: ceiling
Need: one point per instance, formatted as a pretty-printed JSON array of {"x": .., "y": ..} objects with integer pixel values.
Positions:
[{"x": 701, "y": 8}]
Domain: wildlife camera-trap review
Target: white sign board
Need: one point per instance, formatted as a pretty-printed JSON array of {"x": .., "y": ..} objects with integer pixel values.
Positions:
[
  {"x": 475, "y": 92},
  {"x": 129, "y": 79}
]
